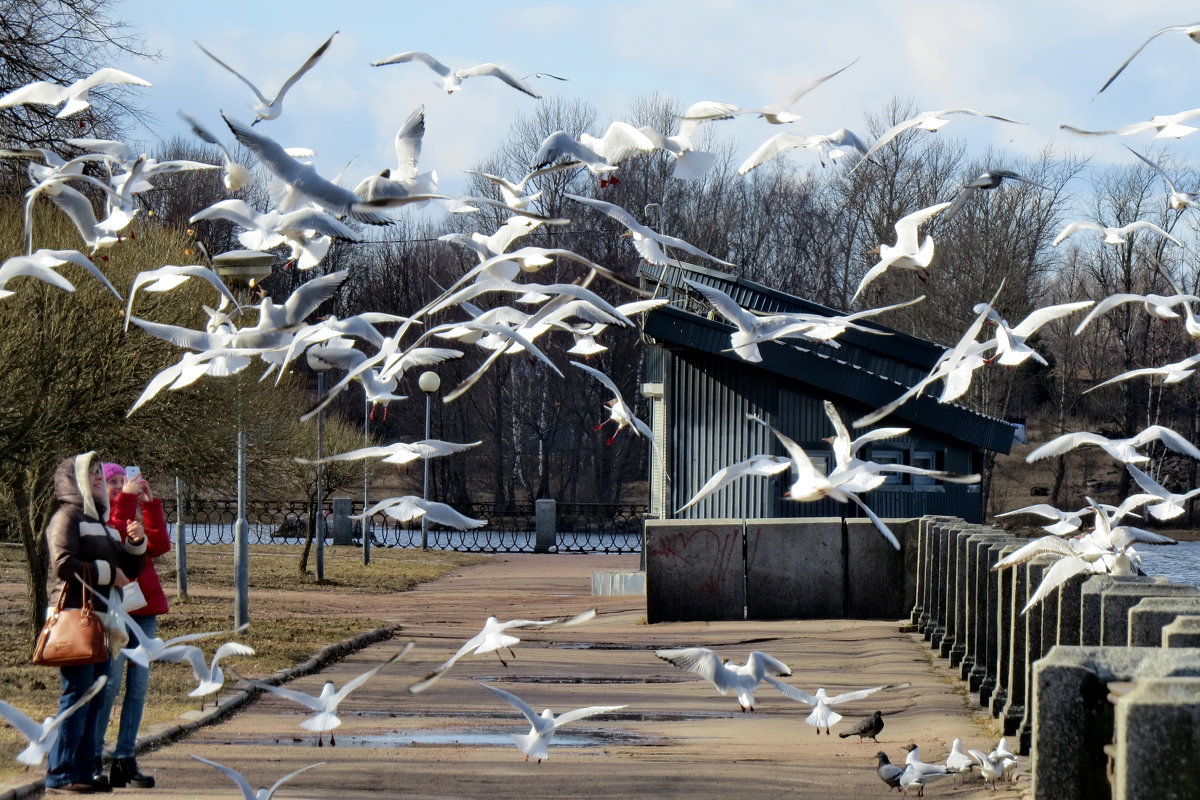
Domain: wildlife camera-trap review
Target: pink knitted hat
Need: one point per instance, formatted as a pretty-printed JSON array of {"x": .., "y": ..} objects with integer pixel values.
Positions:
[{"x": 111, "y": 469}]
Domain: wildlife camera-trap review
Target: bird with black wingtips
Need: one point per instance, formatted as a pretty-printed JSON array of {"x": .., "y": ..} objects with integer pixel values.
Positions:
[
  {"x": 888, "y": 772},
  {"x": 867, "y": 728}
]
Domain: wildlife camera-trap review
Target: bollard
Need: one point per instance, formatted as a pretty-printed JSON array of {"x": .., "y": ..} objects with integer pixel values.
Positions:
[
  {"x": 1183, "y": 632},
  {"x": 1156, "y": 754},
  {"x": 991, "y": 627},
  {"x": 343, "y": 526},
  {"x": 1117, "y": 601},
  {"x": 1035, "y": 648},
  {"x": 1151, "y": 616},
  {"x": 545, "y": 530},
  {"x": 1003, "y": 622},
  {"x": 1014, "y": 696},
  {"x": 1090, "y": 617}
]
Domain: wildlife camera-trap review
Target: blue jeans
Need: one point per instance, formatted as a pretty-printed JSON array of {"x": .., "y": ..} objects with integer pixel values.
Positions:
[
  {"x": 137, "y": 679},
  {"x": 73, "y": 757}
]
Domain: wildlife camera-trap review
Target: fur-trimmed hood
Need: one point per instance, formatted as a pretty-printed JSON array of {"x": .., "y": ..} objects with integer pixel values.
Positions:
[{"x": 71, "y": 485}]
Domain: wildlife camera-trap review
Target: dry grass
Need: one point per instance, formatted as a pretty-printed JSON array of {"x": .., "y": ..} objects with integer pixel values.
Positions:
[{"x": 284, "y": 632}]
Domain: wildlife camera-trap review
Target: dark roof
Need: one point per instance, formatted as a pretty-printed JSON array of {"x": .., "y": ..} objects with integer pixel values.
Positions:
[{"x": 863, "y": 369}]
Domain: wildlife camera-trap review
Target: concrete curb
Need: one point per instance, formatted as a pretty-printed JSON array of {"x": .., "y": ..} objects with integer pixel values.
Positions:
[{"x": 323, "y": 657}]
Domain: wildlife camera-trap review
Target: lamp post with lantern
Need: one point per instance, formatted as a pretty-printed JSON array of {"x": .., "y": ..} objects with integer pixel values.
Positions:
[
  {"x": 244, "y": 269},
  {"x": 430, "y": 382}
]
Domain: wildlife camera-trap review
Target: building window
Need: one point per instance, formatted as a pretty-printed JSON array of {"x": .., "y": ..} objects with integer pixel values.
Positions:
[
  {"x": 924, "y": 459},
  {"x": 889, "y": 457}
]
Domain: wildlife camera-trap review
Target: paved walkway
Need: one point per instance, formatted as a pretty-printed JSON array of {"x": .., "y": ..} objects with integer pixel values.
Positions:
[{"x": 676, "y": 738}]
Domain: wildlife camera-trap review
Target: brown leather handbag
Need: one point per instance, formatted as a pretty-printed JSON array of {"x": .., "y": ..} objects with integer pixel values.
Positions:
[{"x": 71, "y": 637}]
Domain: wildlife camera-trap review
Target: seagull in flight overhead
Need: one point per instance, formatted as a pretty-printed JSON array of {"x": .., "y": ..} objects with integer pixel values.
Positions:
[
  {"x": 409, "y": 507},
  {"x": 1064, "y": 521},
  {"x": 823, "y": 715},
  {"x": 398, "y": 453},
  {"x": 452, "y": 78},
  {"x": 535, "y": 743},
  {"x": 43, "y": 735},
  {"x": 1176, "y": 200},
  {"x": 210, "y": 675},
  {"x": 1191, "y": 30},
  {"x": 236, "y": 176},
  {"x": 1162, "y": 503},
  {"x": 74, "y": 97},
  {"x": 649, "y": 243},
  {"x": 725, "y": 676},
  {"x": 991, "y": 179},
  {"x": 908, "y": 252},
  {"x": 1165, "y": 126},
  {"x": 1112, "y": 235},
  {"x": 776, "y": 114},
  {"x": 1156, "y": 305},
  {"x": 926, "y": 120},
  {"x": 166, "y": 278},
  {"x": 271, "y": 109},
  {"x": 493, "y": 638},
  {"x": 829, "y": 146},
  {"x": 1011, "y": 349},
  {"x": 1123, "y": 450},
  {"x": 325, "y": 705},
  {"x": 620, "y": 412},
  {"x": 248, "y": 792},
  {"x": 1172, "y": 373},
  {"x": 302, "y": 177}
]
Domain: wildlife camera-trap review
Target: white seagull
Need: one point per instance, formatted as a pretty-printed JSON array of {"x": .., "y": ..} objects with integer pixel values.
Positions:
[
  {"x": 210, "y": 676},
  {"x": 957, "y": 760},
  {"x": 397, "y": 453},
  {"x": 990, "y": 768},
  {"x": 42, "y": 265},
  {"x": 828, "y": 146},
  {"x": 1064, "y": 521},
  {"x": 405, "y": 178},
  {"x": 619, "y": 410},
  {"x": 751, "y": 328},
  {"x": 325, "y": 705},
  {"x": 1192, "y": 31},
  {"x": 1162, "y": 503},
  {"x": 560, "y": 144},
  {"x": 775, "y": 114},
  {"x": 724, "y": 675},
  {"x": 926, "y": 120},
  {"x": 535, "y": 744},
  {"x": 1112, "y": 235},
  {"x": 909, "y": 252},
  {"x": 452, "y": 78},
  {"x": 1123, "y": 450},
  {"x": 236, "y": 176},
  {"x": 823, "y": 715},
  {"x": 493, "y": 638},
  {"x": 74, "y": 97},
  {"x": 1157, "y": 305},
  {"x": 248, "y": 792},
  {"x": 1176, "y": 200},
  {"x": 1174, "y": 372},
  {"x": 166, "y": 278},
  {"x": 991, "y": 179},
  {"x": 409, "y": 507},
  {"x": 272, "y": 108},
  {"x": 649, "y": 243},
  {"x": 302, "y": 177},
  {"x": 1165, "y": 126},
  {"x": 761, "y": 464},
  {"x": 1011, "y": 349},
  {"x": 918, "y": 773},
  {"x": 42, "y": 736}
]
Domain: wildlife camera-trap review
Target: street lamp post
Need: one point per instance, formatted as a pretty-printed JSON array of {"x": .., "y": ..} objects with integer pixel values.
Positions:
[
  {"x": 242, "y": 268},
  {"x": 429, "y": 382}
]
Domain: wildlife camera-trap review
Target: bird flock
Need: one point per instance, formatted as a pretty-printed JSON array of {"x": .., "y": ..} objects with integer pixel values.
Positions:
[{"x": 309, "y": 211}]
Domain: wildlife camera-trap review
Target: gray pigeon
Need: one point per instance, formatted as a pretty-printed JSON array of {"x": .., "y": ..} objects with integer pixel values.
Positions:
[
  {"x": 888, "y": 772},
  {"x": 868, "y": 727}
]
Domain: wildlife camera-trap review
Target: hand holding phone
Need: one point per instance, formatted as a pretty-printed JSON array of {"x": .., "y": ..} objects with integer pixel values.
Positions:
[{"x": 133, "y": 473}]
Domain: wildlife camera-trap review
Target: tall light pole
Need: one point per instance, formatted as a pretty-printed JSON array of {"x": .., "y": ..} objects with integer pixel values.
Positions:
[
  {"x": 366, "y": 521},
  {"x": 242, "y": 268},
  {"x": 429, "y": 382}
]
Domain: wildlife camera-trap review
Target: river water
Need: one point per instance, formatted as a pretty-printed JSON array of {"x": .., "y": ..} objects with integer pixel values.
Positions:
[{"x": 1179, "y": 563}]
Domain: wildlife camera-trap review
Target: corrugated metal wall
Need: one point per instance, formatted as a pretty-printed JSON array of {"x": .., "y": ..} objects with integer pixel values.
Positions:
[{"x": 707, "y": 398}]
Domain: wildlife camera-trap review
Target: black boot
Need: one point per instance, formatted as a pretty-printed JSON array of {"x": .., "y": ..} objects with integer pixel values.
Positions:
[{"x": 125, "y": 771}]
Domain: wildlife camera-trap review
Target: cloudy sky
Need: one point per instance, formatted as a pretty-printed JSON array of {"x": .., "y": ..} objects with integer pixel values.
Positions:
[{"x": 1038, "y": 62}]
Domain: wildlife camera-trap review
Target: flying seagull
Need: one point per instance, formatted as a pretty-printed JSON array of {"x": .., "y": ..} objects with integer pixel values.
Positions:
[
  {"x": 248, "y": 792},
  {"x": 452, "y": 78},
  {"x": 74, "y": 97},
  {"x": 271, "y": 109},
  {"x": 43, "y": 735},
  {"x": 535, "y": 744},
  {"x": 743, "y": 679},
  {"x": 1192, "y": 31}
]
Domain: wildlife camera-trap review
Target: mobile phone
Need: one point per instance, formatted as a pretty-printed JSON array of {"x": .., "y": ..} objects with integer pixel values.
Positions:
[{"x": 133, "y": 473}]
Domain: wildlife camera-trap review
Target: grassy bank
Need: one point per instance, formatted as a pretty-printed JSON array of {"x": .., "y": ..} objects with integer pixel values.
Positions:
[{"x": 291, "y": 617}]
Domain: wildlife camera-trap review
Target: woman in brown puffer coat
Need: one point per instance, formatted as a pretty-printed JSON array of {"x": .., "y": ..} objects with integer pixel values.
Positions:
[{"x": 82, "y": 547}]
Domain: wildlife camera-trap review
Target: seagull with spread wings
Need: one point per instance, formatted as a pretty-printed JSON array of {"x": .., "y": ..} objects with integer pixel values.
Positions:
[
  {"x": 648, "y": 242},
  {"x": 452, "y": 78},
  {"x": 494, "y": 637},
  {"x": 535, "y": 744},
  {"x": 324, "y": 706},
  {"x": 248, "y": 792},
  {"x": 43, "y": 735},
  {"x": 823, "y": 715},
  {"x": 74, "y": 98},
  {"x": 776, "y": 113},
  {"x": 1191, "y": 30},
  {"x": 726, "y": 676},
  {"x": 273, "y": 107},
  {"x": 909, "y": 252},
  {"x": 927, "y": 120},
  {"x": 1124, "y": 450}
]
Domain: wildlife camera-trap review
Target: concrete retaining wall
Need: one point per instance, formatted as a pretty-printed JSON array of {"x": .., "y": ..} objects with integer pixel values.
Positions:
[
  {"x": 1057, "y": 675},
  {"x": 807, "y": 568}
]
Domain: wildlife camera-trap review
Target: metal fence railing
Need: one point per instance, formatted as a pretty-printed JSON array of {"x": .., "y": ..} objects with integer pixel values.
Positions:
[{"x": 510, "y": 528}]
